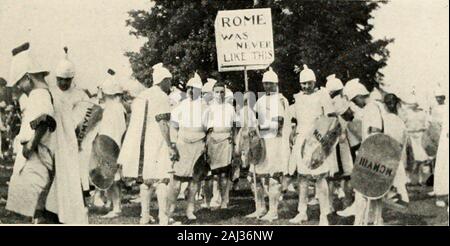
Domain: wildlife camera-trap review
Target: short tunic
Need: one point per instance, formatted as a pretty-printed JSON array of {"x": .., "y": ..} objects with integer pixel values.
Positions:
[
  {"x": 190, "y": 142},
  {"x": 219, "y": 119},
  {"x": 31, "y": 178},
  {"x": 269, "y": 108}
]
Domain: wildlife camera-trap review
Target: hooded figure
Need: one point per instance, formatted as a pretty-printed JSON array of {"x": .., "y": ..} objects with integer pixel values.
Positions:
[{"x": 48, "y": 154}]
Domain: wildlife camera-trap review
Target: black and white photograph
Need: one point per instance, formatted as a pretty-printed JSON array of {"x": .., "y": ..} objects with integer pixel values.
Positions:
[{"x": 224, "y": 113}]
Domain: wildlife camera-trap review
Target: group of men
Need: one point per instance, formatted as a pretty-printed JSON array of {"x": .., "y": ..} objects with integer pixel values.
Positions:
[{"x": 202, "y": 141}]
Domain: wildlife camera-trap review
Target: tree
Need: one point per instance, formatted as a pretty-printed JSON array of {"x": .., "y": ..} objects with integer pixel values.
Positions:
[{"x": 330, "y": 36}]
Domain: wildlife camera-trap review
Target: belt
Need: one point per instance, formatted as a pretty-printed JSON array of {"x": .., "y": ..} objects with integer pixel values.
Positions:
[
  {"x": 192, "y": 129},
  {"x": 221, "y": 129}
]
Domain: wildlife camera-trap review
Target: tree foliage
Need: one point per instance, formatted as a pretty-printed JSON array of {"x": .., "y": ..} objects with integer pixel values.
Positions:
[{"x": 330, "y": 36}]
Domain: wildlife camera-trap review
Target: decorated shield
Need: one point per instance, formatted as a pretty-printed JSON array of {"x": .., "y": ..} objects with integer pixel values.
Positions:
[
  {"x": 103, "y": 162},
  {"x": 251, "y": 146},
  {"x": 430, "y": 138},
  {"x": 87, "y": 115},
  {"x": 376, "y": 165},
  {"x": 320, "y": 141}
]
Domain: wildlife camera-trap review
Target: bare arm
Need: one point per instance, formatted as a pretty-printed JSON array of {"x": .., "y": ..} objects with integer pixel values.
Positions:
[{"x": 163, "y": 122}]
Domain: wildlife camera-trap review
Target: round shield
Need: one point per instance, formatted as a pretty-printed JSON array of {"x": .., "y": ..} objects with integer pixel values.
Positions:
[
  {"x": 430, "y": 138},
  {"x": 376, "y": 165},
  {"x": 251, "y": 146},
  {"x": 103, "y": 162},
  {"x": 321, "y": 140}
]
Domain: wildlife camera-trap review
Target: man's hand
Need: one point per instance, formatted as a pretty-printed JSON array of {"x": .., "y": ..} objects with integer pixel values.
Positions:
[
  {"x": 173, "y": 153},
  {"x": 292, "y": 138},
  {"x": 27, "y": 150}
]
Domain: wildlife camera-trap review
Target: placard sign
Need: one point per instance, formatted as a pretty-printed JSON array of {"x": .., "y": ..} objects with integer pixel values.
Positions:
[{"x": 244, "y": 39}]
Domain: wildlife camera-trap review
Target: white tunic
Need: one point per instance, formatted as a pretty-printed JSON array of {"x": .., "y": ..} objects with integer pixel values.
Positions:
[
  {"x": 220, "y": 117},
  {"x": 269, "y": 108},
  {"x": 113, "y": 123},
  {"x": 144, "y": 148},
  {"x": 188, "y": 116}
]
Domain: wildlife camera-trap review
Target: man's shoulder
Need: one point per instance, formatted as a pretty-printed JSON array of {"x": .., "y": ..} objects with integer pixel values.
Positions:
[{"x": 39, "y": 93}]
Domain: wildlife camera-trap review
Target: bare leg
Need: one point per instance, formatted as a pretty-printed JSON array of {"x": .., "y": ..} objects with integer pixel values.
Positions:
[
  {"x": 274, "y": 199},
  {"x": 331, "y": 188},
  {"x": 302, "y": 201},
  {"x": 324, "y": 200},
  {"x": 216, "y": 198},
  {"x": 113, "y": 194},
  {"x": 223, "y": 188},
  {"x": 207, "y": 192},
  {"x": 161, "y": 194},
  {"x": 174, "y": 188},
  {"x": 145, "y": 194},
  {"x": 193, "y": 187}
]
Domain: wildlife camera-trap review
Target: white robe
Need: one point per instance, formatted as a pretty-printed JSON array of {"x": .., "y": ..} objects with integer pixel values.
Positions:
[
  {"x": 150, "y": 148},
  {"x": 441, "y": 171},
  {"x": 68, "y": 100}
]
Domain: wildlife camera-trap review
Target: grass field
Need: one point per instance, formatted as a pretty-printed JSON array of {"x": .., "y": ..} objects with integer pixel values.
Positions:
[{"x": 421, "y": 210}]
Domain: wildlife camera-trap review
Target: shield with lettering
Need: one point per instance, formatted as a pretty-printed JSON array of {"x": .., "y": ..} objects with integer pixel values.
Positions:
[
  {"x": 376, "y": 165},
  {"x": 320, "y": 141}
]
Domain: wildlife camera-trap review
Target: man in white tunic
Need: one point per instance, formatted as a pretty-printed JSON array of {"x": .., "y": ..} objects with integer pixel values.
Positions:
[
  {"x": 310, "y": 104},
  {"x": 219, "y": 119},
  {"x": 186, "y": 120},
  {"x": 211, "y": 193},
  {"x": 147, "y": 152},
  {"x": 43, "y": 170},
  {"x": 272, "y": 111},
  {"x": 344, "y": 163}
]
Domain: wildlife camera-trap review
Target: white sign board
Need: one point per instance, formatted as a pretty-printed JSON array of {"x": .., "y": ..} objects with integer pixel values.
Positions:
[{"x": 244, "y": 38}]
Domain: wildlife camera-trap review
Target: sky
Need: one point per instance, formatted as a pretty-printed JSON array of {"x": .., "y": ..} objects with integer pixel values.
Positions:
[{"x": 95, "y": 32}]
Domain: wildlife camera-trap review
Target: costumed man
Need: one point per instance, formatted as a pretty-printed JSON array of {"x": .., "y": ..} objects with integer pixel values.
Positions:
[
  {"x": 186, "y": 120},
  {"x": 147, "y": 152},
  {"x": 211, "y": 193},
  {"x": 439, "y": 119},
  {"x": 111, "y": 130},
  {"x": 344, "y": 162},
  {"x": 70, "y": 96},
  {"x": 272, "y": 110},
  {"x": 219, "y": 119},
  {"x": 378, "y": 117},
  {"x": 415, "y": 119},
  {"x": 310, "y": 104},
  {"x": 438, "y": 106},
  {"x": 45, "y": 169}
]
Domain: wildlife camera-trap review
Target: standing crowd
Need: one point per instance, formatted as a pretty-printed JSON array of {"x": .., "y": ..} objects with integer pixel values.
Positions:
[{"x": 74, "y": 149}]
